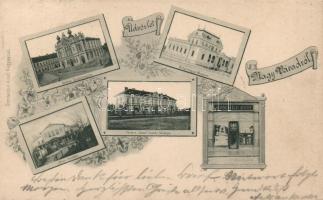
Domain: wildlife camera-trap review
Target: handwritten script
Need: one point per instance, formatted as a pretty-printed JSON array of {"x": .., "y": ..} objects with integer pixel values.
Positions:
[{"x": 190, "y": 181}]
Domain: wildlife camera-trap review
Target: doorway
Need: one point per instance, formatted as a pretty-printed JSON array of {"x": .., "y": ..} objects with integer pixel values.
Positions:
[
  {"x": 233, "y": 135},
  {"x": 82, "y": 59}
]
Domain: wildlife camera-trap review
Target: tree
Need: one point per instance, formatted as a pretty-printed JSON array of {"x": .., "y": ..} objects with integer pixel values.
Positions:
[{"x": 79, "y": 121}]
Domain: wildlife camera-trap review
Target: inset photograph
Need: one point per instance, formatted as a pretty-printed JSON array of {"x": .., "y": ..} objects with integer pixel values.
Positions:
[
  {"x": 151, "y": 108},
  {"x": 60, "y": 136},
  {"x": 80, "y": 49},
  {"x": 203, "y": 46},
  {"x": 234, "y": 131}
]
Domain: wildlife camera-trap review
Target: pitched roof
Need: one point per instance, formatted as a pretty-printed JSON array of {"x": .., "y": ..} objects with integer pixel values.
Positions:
[
  {"x": 44, "y": 57},
  {"x": 49, "y": 125}
]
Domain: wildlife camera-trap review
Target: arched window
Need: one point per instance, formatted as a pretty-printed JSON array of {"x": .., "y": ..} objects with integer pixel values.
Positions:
[
  {"x": 213, "y": 57},
  {"x": 192, "y": 53},
  {"x": 208, "y": 60},
  {"x": 202, "y": 56},
  {"x": 219, "y": 61},
  {"x": 174, "y": 47},
  {"x": 185, "y": 51}
]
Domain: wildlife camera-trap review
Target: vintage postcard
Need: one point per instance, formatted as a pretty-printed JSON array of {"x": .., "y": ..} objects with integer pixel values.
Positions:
[
  {"x": 202, "y": 45},
  {"x": 158, "y": 108},
  {"x": 69, "y": 53},
  {"x": 234, "y": 131},
  {"x": 199, "y": 109},
  {"x": 59, "y": 136}
]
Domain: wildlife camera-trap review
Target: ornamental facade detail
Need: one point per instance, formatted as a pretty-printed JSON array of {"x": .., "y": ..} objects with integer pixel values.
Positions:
[{"x": 201, "y": 48}]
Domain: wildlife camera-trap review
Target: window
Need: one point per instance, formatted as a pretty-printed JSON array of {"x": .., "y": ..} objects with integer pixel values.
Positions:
[
  {"x": 208, "y": 60},
  {"x": 78, "y": 46},
  {"x": 219, "y": 61},
  {"x": 181, "y": 50},
  {"x": 212, "y": 48},
  {"x": 184, "y": 51},
  {"x": 202, "y": 56},
  {"x": 213, "y": 58},
  {"x": 169, "y": 46},
  {"x": 176, "y": 48},
  {"x": 192, "y": 53},
  {"x": 196, "y": 42}
]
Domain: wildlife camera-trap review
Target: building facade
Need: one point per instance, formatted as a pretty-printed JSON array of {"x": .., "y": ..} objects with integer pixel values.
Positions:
[
  {"x": 46, "y": 63},
  {"x": 234, "y": 131},
  {"x": 74, "y": 50},
  {"x": 201, "y": 48},
  {"x": 59, "y": 140},
  {"x": 144, "y": 102},
  {"x": 50, "y": 132},
  {"x": 71, "y": 50}
]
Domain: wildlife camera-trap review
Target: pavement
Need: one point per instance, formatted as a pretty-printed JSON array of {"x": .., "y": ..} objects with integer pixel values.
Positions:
[{"x": 244, "y": 150}]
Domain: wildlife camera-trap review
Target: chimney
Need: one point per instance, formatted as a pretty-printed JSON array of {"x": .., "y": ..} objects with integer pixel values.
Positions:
[{"x": 125, "y": 88}]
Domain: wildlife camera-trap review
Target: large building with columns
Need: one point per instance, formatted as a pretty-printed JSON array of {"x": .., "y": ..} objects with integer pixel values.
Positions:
[
  {"x": 71, "y": 50},
  {"x": 201, "y": 48}
]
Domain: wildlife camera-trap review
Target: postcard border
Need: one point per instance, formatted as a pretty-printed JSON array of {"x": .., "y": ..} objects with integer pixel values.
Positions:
[
  {"x": 21, "y": 138},
  {"x": 181, "y": 67},
  {"x": 105, "y": 31},
  {"x": 158, "y": 133}
]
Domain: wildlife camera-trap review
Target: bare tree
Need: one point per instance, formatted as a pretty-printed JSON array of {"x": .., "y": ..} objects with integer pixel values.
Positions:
[{"x": 79, "y": 121}]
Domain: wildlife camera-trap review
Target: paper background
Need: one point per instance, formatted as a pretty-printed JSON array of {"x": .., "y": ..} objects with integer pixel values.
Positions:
[{"x": 279, "y": 30}]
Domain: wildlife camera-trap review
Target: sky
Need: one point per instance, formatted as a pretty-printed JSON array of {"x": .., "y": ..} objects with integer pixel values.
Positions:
[
  {"x": 183, "y": 25},
  {"x": 66, "y": 116},
  {"x": 181, "y": 91},
  {"x": 46, "y": 44}
]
